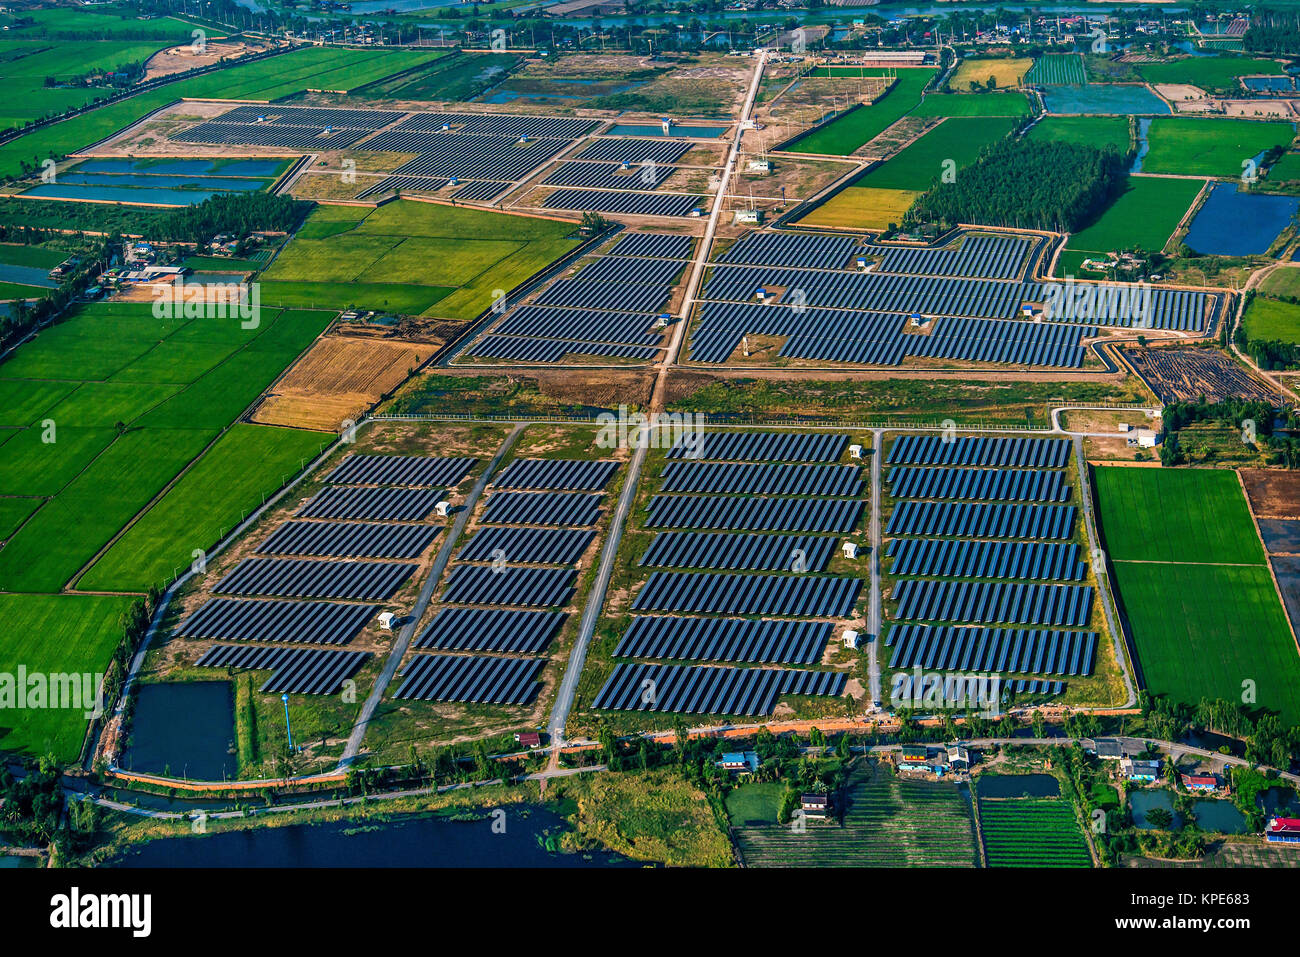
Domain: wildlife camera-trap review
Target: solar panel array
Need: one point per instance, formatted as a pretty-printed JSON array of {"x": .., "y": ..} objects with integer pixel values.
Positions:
[
  {"x": 566, "y": 475},
  {"x": 739, "y": 551},
  {"x": 840, "y": 300},
  {"x": 1032, "y": 568},
  {"x": 706, "y": 689},
  {"x": 277, "y": 114},
  {"x": 725, "y": 639},
  {"x": 293, "y": 670},
  {"x": 405, "y": 184},
  {"x": 530, "y": 546},
  {"x": 718, "y": 445},
  {"x": 619, "y": 150},
  {"x": 481, "y": 191},
  {"x": 572, "y": 509},
  {"x": 623, "y": 201},
  {"x": 998, "y": 451},
  {"x": 508, "y": 585},
  {"x": 609, "y": 309},
  {"x": 772, "y": 576},
  {"x": 349, "y": 540},
  {"x": 960, "y": 519},
  {"x": 491, "y": 629},
  {"x": 309, "y": 578},
  {"x": 1034, "y": 561},
  {"x": 639, "y": 176},
  {"x": 1015, "y": 651},
  {"x": 216, "y": 133},
  {"x": 471, "y": 678},
  {"x": 377, "y": 504},
  {"x": 465, "y": 156},
  {"x": 306, "y": 622},
  {"x": 1002, "y": 485},
  {"x": 964, "y": 691},
  {"x": 418, "y": 470}
]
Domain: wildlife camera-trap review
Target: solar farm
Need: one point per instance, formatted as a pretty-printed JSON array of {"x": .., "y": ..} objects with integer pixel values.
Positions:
[{"x": 787, "y": 437}]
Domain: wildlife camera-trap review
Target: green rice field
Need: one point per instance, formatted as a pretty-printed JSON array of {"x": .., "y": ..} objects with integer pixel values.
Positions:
[
  {"x": 1098, "y": 131},
  {"x": 1057, "y": 69},
  {"x": 846, "y": 133},
  {"x": 917, "y": 167},
  {"x": 888, "y": 822},
  {"x": 1209, "y": 73},
  {"x": 1272, "y": 320},
  {"x": 1217, "y": 146},
  {"x": 413, "y": 258},
  {"x": 58, "y": 634},
  {"x": 1144, "y": 216},
  {"x": 96, "y": 442},
  {"x": 1008, "y": 103},
  {"x": 1194, "y": 588},
  {"x": 1286, "y": 169},
  {"x": 1032, "y": 832}
]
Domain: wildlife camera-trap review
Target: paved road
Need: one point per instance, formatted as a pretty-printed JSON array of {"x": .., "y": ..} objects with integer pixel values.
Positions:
[
  {"x": 595, "y": 600},
  {"x": 403, "y": 639}
]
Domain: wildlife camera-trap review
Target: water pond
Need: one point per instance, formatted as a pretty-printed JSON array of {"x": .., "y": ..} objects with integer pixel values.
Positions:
[
  {"x": 1233, "y": 223},
  {"x": 184, "y": 729}
]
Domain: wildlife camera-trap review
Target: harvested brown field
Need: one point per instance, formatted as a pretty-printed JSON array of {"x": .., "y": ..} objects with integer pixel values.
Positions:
[
  {"x": 340, "y": 378},
  {"x": 1273, "y": 493}
]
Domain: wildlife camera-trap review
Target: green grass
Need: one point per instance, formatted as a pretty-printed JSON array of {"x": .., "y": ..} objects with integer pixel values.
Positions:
[
  {"x": 413, "y": 258},
  {"x": 1098, "y": 131},
  {"x": 1144, "y": 216},
  {"x": 1209, "y": 73},
  {"x": 42, "y": 257},
  {"x": 210, "y": 499},
  {"x": 854, "y": 129},
  {"x": 756, "y": 803},
  {"x": 1032, "y": 832},
  {"x": 1273, "y": 321},
  {"x": 973, "y": 104},
  {"x": 1176, "y": 515},
  {"x": 95, "y": 481},
  {"x": 956, "y": 141},
  {"x": 1282, "y": 282},
  {"x": 1218, "y": 146},
  {"x": 1199, "y": 599},
  {"x": 14, "y": 290},
  {"x": 1286, "y": 169},
  {"x": 888, "y": 822},
  {"x": 55, "y": 634}
]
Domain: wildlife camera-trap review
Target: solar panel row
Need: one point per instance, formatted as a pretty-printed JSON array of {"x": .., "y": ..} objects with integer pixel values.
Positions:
[
  {"x": 621, "y": 150},
  {"x": 993, "y": 602},
  {"x": 652, "y": 245},
  {"x": 528, "y": 546},
  {"x": 753, "y": 514},
  {"x": 303, "y": 578},
  {"x": 702, "y": 689},
  {"x": 491, "y": 629},
  {"x": 406, "y": 184},
  {"x": 779, "y": 596},
  {"x": 725, "y": 639},
  {"x": 632, "y": 269},
  {"x": 466, "y": 156},
  {"x": 964, "y": 691},
  {"x": 293, "y": 670},
  {"x": 277, "y": 114},
  {"x": 571, "y": 509},
  {"x": 645, "y": 174},
  {"x": 580, "y": 294},
  {"x": 349, "y": 539},
  {"x": 814, "y": 251},
  {"x": 1000, "y": 650},
  {"x": 731, "y": 478},
  {"x": 980, "y": 450},
  {"x": 760, "y": 446},
  {"x": 481, "y": 191},
  {"x": 975, "y": 257},
  {"x": 307, "y": 622},
  {"x": 1005, "y": 485},
  {"x": 422, "y": 470},
  {"x": 509, "y": 585},
  {"x": 595, "y": 325},
  {"x": 949, "y": 558},
  {"x": 961, "y": 519},
  {"x": 473, "y": 679},
  {"x": 565, "y": 475},
  {"x": 740, "y": 552},
  {"x": 382, "y": 504},
  {"x": 623, "y": 201},
  {"x": 267, "y": 134}
]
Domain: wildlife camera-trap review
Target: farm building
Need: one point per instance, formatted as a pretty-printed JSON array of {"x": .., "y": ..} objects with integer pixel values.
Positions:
[
  {"x": 914, "y": 757},
  {"x": 958, "y": 758},
  {"x": 739, "y": 762},
  {"x": 815, "y": 805},
  {"x": 1200, "y": 782},
  {"x": 1135, "y": 770},
  {"x": 1108, "y": 749},
  {"x": 1283, "y": 830},
  {"x": 529, "y": 739}
]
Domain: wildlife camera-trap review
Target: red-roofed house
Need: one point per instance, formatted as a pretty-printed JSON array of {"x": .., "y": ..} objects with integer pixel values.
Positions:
[
  {"x": 529, "y": 739},
  {"x": 1200, "y": 782},
  {"x": 1283, "y": 830}
]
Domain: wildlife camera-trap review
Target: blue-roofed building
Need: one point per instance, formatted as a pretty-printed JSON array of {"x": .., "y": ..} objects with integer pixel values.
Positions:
[{"x": 739, "y": 762}]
